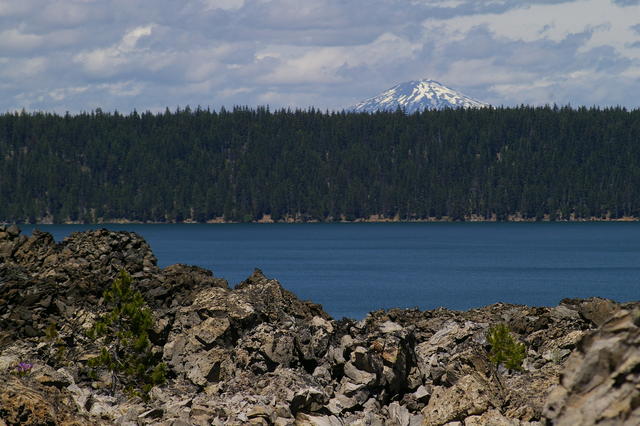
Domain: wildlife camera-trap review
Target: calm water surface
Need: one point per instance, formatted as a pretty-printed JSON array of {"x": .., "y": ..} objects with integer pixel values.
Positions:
[{"x": 352, "y": 269}]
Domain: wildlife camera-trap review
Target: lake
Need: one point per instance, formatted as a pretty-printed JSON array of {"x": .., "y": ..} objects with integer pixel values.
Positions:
[{"x": 352, "y": 269}]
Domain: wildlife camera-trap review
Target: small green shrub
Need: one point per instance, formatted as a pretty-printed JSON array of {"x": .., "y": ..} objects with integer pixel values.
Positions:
[
  {"x": 55, "y": 343},
  {"x": 505, "y": 349},
  {"x": 51, "y": 332},
  {"x": 126, "y": 350}
]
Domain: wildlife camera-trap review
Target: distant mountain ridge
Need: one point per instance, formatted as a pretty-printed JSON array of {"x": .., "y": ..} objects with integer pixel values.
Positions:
[{"x": 417, "y": 95}]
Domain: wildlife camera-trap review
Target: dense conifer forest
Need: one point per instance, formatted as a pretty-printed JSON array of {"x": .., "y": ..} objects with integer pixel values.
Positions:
[{"x": 495, "y": 163}]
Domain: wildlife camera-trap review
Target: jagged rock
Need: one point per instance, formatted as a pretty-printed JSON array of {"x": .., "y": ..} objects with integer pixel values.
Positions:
[
  {"x": 562, "y": 312},
  {"x": 39, "y": 248},
  {"x": 12, "y": 230},
  {"x": 313, "y": 420},
  {"x": 180, "y": 283},
  {"x": 600, "y": 382},
  {"x": 359, "y": 377},
  {"x": 308, "y": 400},
  {"x": 6, "y": 249},
  {"x": 258, "y": 355},
  {"x": 397, "y": 351},
  {"x": 190, "y": 345},
  {"x": 275, "y": 303},
  {"x": 444, "y": 338},
  {"x": 208, "y": 366},
  {"x": 261, "y": 411},
  {"x": 390, "y": 327},
  {"x": 58, "y": 379},
  {"x": 492, "y": 418},
  {"x": 416, "y": 401},
  {"x": 340, "y": 404},
  {"x": 40, "y": 277},
  {"x": 595, "y": 309},
  {"x": 398, "y": 415},
  {"x": 323, "y": 373},
  {"x": 81, "y": 396},
  {"x": 312, "y": 341},
  {"x": 349, "y": 395},
  {"x": 265, "y": 347},
  {"x": 365, "y": 419},
  {"x": 472, "y": 395},
  {"x": 26, "y": 402}
]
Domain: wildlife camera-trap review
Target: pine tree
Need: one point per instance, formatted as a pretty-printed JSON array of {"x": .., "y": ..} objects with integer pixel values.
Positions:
[
  {"x": 505, "y": 349},
  {"x": 124, "y": 330}
]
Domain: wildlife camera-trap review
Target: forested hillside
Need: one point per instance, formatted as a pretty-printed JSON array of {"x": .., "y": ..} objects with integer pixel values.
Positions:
[{"x": 243, "y": 164}]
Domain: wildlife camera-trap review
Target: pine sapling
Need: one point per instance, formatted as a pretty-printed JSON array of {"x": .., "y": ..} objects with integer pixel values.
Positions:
[
  {"x": 505, "y": 349},
  {"x": 124, "y": 330}
]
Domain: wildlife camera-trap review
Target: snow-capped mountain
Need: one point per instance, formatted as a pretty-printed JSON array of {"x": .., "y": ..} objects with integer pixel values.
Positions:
[{"x": 417, "y": 95}]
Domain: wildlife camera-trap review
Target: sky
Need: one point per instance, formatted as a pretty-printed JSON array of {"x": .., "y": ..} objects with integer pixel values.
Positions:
[{"x": 78, "y": 55}]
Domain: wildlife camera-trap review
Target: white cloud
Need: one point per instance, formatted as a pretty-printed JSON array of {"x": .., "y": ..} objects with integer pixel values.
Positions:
[
  {"x": 625, "y": 3},
  {"x": 123, "y": 88},
  {"x": 80, "y": 54},
  {"x": 326, "y": 65},
  {"x": 67, "y": 13},
  {"x": 19, "y": 69},
  {"x": 63, "y": 93},
  {"x": 225, "y": 93},
  {"x": 130, "y": 39},
  {"x": 9, "y": 8},
  {"x": 223, "y": 4},
  {"x": 13, "y": 39},
  {"x": 109, "y": 61}
]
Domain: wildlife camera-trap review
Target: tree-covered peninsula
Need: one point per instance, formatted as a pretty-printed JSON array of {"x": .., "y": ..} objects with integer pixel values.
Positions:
[{"x": 246, "y": 164}]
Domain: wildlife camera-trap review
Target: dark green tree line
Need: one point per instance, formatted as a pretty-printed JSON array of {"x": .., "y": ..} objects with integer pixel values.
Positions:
[{"x": 245, "y": 163}]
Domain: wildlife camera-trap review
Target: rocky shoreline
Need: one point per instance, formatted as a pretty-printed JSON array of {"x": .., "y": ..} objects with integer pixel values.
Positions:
[
  {"x": 255, "y": 354},
  {"x": 267, "y": 219}
]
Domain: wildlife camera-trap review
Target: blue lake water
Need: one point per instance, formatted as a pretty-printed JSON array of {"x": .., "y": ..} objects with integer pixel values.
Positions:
[{"x": 352, "y": 269}]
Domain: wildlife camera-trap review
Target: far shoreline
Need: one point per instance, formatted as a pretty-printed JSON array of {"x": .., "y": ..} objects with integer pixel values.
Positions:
[{"x": 266, "y": 219}]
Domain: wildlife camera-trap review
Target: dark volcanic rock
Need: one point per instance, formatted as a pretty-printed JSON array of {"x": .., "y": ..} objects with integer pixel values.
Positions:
[
  {"x": 600, "y": 382},
  {"x": 256, "y": 354},
  {"x": 178, "y": 284},
  {"x": 42, "y": 281},
  {"x": 274, "y": 302},
  {"x": 28, "y": 402}
]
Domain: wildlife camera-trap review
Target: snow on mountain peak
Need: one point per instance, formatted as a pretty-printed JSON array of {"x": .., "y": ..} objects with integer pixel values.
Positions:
[{"x": 417, "y": 95}]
